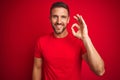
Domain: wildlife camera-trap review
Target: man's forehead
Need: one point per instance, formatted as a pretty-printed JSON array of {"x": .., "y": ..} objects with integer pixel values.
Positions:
[{"x": 59, "y": 10}]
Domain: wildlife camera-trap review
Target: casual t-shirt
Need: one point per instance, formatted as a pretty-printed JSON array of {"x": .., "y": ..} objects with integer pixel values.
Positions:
[{"x": 61, "y": 57}]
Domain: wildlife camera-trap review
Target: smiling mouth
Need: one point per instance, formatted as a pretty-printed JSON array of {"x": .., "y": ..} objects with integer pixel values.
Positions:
[{"x": 58, "y": 27}]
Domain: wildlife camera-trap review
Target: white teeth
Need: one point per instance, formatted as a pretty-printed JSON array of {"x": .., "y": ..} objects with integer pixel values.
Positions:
[{"x": 58, "y": 26}]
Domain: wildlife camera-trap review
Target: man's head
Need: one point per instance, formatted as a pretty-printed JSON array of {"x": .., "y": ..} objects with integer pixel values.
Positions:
[{"x": 59, "y": 16}]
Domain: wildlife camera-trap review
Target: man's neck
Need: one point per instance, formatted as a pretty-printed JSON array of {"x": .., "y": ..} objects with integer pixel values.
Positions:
[{"x": 62, "y": 35}]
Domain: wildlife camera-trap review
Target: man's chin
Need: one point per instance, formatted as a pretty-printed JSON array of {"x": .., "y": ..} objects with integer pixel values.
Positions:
[{"x": 58, "y": 32}]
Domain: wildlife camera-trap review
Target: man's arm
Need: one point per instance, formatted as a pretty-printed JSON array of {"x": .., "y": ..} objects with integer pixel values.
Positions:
[
  {"x": 92, "y": 57},
  {"x": 37, "y": 69}
]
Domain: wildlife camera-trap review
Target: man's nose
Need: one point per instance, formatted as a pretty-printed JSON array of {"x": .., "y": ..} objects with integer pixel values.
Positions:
[{"x": 58, "y": 20}]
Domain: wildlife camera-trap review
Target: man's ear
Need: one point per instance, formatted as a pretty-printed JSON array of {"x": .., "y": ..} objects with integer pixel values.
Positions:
[{"x": 68, "y": 19}]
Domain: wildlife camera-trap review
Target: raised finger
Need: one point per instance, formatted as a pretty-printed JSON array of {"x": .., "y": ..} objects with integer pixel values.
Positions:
[
  {"x": 80, "y": 18},
  {"x": 75, "y": 18}
]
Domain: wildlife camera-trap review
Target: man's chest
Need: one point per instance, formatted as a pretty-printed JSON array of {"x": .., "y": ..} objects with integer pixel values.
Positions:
[{"x": 60, "y": 52}]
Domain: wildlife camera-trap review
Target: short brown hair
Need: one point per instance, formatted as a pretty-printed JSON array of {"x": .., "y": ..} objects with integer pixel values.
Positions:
[{"x": 59, "y": 4}]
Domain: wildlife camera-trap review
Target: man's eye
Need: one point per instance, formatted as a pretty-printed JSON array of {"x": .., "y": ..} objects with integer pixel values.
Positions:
[
  {"x": 54, "y": 16},
  {"x": 63, "y": 16}
]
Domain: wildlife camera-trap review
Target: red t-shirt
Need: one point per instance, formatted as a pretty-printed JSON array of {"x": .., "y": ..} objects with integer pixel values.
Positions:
[{"x": 61, "y": 57}]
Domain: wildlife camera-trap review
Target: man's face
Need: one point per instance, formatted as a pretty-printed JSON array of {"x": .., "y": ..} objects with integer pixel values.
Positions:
[{"x": 59, "y": 19}]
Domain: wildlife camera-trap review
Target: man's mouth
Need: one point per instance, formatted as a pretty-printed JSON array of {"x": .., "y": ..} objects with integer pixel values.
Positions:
[{"x": 58, "y": 27}]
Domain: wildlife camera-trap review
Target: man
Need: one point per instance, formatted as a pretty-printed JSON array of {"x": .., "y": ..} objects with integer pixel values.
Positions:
[{"x": 58, "y": 56}]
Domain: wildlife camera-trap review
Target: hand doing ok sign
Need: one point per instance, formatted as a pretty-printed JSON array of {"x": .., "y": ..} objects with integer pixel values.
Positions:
[{"x": 81, "y": 26}]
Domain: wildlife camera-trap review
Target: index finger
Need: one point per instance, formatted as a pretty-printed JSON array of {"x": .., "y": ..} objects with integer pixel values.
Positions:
[{"x": 79, "y": 19}]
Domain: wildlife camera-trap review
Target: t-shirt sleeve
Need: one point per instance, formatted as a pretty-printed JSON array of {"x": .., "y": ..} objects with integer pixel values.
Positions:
[
  {"x": 83, "y": 49},
  {"x": 38, "y": 50}
]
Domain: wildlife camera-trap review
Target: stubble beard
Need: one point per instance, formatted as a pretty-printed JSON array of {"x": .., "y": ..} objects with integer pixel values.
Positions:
[{"x": 57, "y": 32}]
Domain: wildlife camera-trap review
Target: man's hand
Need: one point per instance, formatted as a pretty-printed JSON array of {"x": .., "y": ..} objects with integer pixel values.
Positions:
[{"x": 81, "y": 26}]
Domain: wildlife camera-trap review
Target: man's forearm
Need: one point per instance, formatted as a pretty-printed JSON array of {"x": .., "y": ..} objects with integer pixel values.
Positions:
[{"x": 93, "y": 58}]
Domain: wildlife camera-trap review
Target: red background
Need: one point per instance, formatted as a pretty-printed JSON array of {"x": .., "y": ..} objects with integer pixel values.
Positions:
[{"x": 22, "y": 22}]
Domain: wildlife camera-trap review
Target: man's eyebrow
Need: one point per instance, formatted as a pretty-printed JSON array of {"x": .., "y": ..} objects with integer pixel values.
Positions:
[
  {"x": 54, "y": 15},
  {"x": 64, "y": 16}
]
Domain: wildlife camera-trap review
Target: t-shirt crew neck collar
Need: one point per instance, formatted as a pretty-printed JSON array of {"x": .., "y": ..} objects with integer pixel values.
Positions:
[{"x": 60, "y": 38}]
